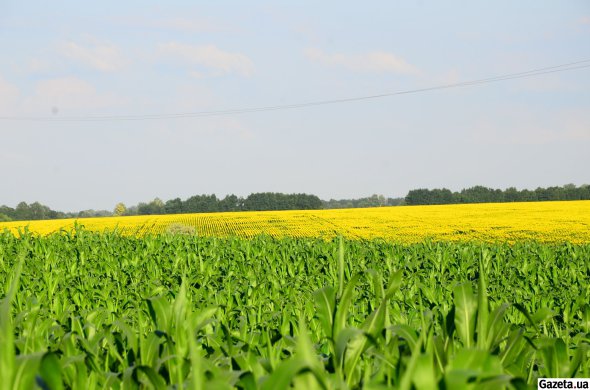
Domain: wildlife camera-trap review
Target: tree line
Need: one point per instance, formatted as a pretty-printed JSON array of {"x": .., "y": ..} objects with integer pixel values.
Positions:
[
  {"x": 211, "y": 204},
  {"x": 25, "y": 212},
  {"x": 481, "y": 194},
  {"x": 194, "y": 204},
  {"x": 279, "y": 201},
  {"x": 371, "y": 201}
]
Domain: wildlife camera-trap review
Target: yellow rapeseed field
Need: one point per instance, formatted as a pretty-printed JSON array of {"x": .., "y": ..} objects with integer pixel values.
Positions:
[{"x": 542, "y": 221}]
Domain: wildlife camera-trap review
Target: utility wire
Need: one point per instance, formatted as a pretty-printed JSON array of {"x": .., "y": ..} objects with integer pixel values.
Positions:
[{"x": 197, "y": 114}]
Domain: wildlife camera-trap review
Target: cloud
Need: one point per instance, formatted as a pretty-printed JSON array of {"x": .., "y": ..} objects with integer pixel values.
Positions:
[
  {"x": 102, "y": 57},
  {"x": 208, "y": 56},
  {"x": 374, "y": 61},
  {"x": 9, "y": 95},
  {"x": 66, "y": 95}
]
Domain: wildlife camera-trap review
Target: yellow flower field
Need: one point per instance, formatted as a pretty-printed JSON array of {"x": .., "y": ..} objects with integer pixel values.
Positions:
[{"x": 542, "y": 221}]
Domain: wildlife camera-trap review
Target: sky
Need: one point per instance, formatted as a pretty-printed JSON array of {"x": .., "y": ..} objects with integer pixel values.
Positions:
[{"x": 66, "y": 59}]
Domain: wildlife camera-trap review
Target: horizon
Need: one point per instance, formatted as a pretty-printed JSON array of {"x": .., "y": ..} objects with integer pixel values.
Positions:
[{"x": 322, "y": 199}]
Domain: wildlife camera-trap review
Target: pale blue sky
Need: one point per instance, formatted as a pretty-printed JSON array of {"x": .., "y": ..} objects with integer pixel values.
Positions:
[{"x": 146, "y": 57}]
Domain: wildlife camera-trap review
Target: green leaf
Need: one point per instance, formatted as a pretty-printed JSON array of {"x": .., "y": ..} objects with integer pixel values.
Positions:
[
  {"x": 345, "y": 336},
  {"x": 579, "y": 360},
  {"x": 340, "y": 266},
  {"x": 325, "y": 300},
  {"x": 496, "y": 327},
  {"x": 7, "y": 352},
  {"x": 408, "y": 375},
  {"x": 343, "y": 304},
  {"x": 25, "y": 370},
  {"x": 424, "y": 376},
  {"x": 159, "y": 309},
  {"x": 395, "y": 281},
  {"x": 155, "y": 380},
  {"x": 50, "y": 372},
  {"x": 465, "y": 313},
  {"x": 377, "y": 282},
  {"x": 526, "y": 314},
  {"x": 407, "y": 333},
  {"x": 556, "y": 361},
  {"x": 247, "y": 381},
  {"x": 283, "y": 375},
  {"x": 482, "y": 308},
  {"x": 542, "y": 315},
  {"x": 472, "y": 368},
  {"x": 288, "y": 371}
]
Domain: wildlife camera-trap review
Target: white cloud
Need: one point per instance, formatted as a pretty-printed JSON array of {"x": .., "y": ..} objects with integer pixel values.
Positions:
[
  {"x": 67, "y": 95},
  {"x": 9, "y": 95},
  {"x": 103, "y": 57},
  {"x": 374, "y": 61},
  {"x": 208, "y": 56}
]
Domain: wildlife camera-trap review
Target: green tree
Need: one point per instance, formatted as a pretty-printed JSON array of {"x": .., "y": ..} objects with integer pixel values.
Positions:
[
  {"x": 173, "y": 206},
  {"x": 156, "y": 206},
  {"x": 38, "y": 211},
  {"x": 120, "y": 209},
  {"x": 22, "y": 211}
]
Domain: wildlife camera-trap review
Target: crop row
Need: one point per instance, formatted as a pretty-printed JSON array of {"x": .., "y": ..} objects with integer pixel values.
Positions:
[{"x": 540, "y": 221}]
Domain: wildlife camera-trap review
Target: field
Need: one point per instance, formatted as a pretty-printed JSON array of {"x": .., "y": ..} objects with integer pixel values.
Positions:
[
  {"x": 505, "y": 222},
  {"x": 451, "y": 297}
]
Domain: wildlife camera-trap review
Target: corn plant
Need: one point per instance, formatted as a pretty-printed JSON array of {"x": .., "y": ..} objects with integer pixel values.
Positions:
[{"x": 84, "y": 310}]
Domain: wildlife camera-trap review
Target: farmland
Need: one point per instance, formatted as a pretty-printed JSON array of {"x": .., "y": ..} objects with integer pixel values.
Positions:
[
  {"x": 462, "y": 297},
  {"x": 539, "y": 221}
]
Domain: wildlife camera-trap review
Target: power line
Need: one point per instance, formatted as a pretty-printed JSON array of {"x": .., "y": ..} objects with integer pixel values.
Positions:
[{"x": 197, "y": 114}]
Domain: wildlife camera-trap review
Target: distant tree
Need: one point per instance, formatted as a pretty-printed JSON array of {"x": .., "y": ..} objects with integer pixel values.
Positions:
[
  {"x": 528, "y": 196},
  {"x": 511, "y": 195},
  {"x": 173, "y": 206},
  {"x": 8, "y": 211},
  {"x": 200, "y": 204},
  {"x": 477, "y": 194},
  {"x": 395, "y": 201},
  {"x": 22, "y": 212},
  {"x": 279, "y": 201},
  {"x": 418, "y": 196},
  {"x": 38, "y": 211},
  {"x": 230, "y": 203},
  {"x": 91, "y": 213},
  {"x": 5, "y": 218},
  {"x": 120, "y": 209},
  {"x": 441, "y": 196},
  {"x": 571, "y": 192},
  {"x": 480, "y": 194},
  {"x": 156, "y": 206},
  {"x": 85, "y": 214},
  {"x": 132, "y": 210}
]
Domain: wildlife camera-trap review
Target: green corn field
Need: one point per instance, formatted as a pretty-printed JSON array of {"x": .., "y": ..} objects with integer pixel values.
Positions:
[{"x": 87, "y": 310}]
